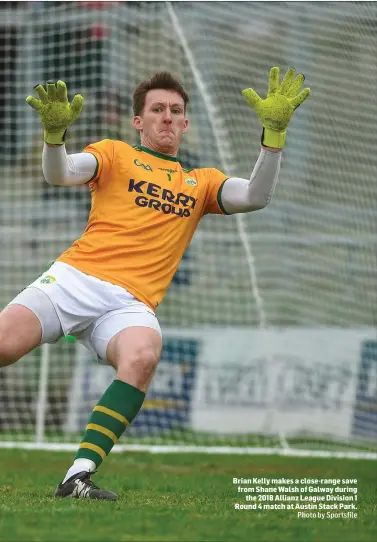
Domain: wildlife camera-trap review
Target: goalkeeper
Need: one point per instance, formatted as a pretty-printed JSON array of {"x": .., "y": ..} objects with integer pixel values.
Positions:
[{"x": 105, "y": 288}]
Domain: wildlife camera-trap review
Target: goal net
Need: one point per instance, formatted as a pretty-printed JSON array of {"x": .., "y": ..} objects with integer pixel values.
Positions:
[{"x": 269, "y": 323}]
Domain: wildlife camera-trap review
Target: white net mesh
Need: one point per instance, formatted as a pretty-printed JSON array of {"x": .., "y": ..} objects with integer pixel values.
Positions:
[{"x": 313, "y": 249}]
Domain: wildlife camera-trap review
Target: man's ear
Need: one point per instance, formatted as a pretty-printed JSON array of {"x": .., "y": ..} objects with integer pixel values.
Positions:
[
  {"x": 138, "y": 122},
  {"x": 185, "y": 126}
]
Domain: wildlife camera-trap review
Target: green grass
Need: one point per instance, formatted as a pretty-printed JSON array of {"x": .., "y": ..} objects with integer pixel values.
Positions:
[
  {"x": 173, "y": 497},
  {"x": 191, "y": 438}
]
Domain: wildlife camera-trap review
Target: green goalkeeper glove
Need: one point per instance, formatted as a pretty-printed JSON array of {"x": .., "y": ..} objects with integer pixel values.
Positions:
[
  {"x": 275, "y": 112},
  {"x": 56, "y": 113}
]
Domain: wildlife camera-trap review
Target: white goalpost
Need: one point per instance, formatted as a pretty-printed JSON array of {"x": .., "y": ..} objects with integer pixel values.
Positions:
[{"x": 269, "y": 326}]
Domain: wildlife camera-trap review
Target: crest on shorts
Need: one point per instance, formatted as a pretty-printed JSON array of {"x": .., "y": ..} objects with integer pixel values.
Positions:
[{"x": 47, "y": 279}]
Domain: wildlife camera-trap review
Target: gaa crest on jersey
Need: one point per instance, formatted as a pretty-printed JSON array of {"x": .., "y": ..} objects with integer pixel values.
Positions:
[
  {"x": 147, "y": 167},
  {"x": 191, "y": 182}
]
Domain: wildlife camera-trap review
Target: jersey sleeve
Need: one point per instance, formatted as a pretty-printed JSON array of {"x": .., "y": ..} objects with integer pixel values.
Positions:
[
  {"x": 104, "y": 154},
  {"x": 216, "y": 180}
]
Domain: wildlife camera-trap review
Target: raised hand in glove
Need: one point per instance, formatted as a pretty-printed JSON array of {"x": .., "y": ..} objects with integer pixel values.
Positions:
[
  {"x": 275, "y": 112},
  {"x": 56, "y": 113}
]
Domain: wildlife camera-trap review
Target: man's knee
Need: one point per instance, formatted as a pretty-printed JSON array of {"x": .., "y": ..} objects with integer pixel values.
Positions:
[
  {"x": 134, "y": 353},
  {"x": 142, "y": 360},
  {"x": 137, "y": 367}
]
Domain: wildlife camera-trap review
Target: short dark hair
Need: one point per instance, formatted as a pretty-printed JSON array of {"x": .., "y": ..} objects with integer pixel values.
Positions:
[{"x": 164, "y": 80}]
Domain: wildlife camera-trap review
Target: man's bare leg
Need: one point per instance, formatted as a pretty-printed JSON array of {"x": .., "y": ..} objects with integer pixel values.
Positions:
[
  {"x": 20, "y": 332},
  {"x": 134, "y": 352}
]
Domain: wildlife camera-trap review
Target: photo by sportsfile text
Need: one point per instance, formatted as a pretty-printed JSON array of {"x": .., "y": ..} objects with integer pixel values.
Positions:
[{"x": 300, "y": 494}]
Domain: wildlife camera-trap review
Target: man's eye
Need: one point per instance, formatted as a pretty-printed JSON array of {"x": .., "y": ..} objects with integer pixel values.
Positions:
[
  {"x": 157, "y": 109},
  {"x": 177, "y": 111}
]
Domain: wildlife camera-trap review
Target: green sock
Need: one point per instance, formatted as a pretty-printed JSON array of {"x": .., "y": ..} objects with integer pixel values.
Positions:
[{"x": 117, "y": 408}]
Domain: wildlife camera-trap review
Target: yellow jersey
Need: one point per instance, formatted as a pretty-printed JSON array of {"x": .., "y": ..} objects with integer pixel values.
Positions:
[{"x": 145, "y": 210}]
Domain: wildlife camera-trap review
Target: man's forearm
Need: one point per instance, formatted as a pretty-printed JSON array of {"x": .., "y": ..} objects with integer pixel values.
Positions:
[
  {"x": 272, "y": 149},
  {"x": 243, "y": 195},
  {"x": 66, "y": 170}
]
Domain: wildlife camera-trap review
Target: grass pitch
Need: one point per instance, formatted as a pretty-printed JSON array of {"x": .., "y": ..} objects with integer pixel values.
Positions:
[{"x": 172, "y": 497}]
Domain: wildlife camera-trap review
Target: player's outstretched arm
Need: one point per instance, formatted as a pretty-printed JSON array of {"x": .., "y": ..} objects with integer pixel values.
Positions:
[
  {"x": 57, "y": 114},
  {"x": 245, "y": 195},
  {"x": 62, "y": 169},
  {"x": 276, "y": 111},
  {"x": 55, "y": 111}
]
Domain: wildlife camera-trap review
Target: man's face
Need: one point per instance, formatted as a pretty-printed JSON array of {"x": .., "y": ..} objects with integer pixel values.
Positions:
[{"x": 162, "y": 121}]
